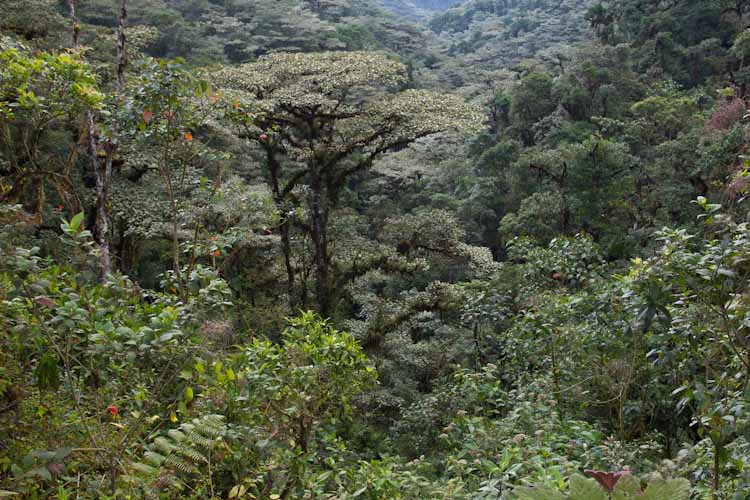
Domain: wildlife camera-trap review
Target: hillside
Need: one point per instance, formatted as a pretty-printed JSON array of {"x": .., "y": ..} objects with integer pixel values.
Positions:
[
  {"x": 501, "y": 34},
  {"x": 356, "y": 250},
  {"x": 417, "y": 9},
  {"x": 228, "y": 31}
]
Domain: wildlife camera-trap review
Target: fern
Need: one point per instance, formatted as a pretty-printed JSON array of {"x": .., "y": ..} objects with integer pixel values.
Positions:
[
  {"x": 628, "y": 488},
  {"x": 181, "y": 455}
]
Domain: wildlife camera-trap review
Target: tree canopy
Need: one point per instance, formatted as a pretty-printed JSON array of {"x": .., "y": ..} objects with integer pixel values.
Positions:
[{"x": 403, "y": 249}]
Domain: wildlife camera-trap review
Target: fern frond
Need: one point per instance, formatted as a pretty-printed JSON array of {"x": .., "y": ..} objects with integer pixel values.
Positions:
[
  {"x": 211, "y": 425},
  {"x": 179, "y": 463},
  {"x": 190, "y": 452},
  {"x": 181, "y": 452},
  {"x": 199, "y": 440}
]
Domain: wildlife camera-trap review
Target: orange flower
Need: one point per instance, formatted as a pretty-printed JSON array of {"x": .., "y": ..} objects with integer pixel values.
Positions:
[
  {"x": 236, "y": 105},
  {"x": 216, "y": 253},
  {"x": 188, "y": 136}
]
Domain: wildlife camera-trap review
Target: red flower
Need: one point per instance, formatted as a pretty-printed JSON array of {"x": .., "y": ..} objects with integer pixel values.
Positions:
[
  {"x": 147, "y": 115},
  {"x": 113, "y": 410},
  {"x": 608, "y": 480}
]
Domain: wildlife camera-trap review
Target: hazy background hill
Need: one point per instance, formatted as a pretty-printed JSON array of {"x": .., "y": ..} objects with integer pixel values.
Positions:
[
  {"x": 418, "y": 9},
  {"x": 448, "y": 43},
  {"x": 501, "y": 33}
]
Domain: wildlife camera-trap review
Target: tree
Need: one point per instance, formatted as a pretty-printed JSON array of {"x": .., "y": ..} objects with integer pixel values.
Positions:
[
  {"x": 45, "y": 23},
  {"x": 531, "y": 101},
  {"x": 162, "y": 107},
  {"x": 103, "y": 170},
  {"x": 307, "y": 381},
  {"x": 41, "y": 95},
  {"x": 323, "y": 118},
  {"x": 601, "y": 20}
]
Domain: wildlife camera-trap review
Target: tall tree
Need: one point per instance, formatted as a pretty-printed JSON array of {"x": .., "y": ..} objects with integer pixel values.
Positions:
[
  {"x": 321, "y": 119},
  {"x": 103, "y": 170},
  {"x": 42, "y": 98},
  {"x": 104, "y": 177}
]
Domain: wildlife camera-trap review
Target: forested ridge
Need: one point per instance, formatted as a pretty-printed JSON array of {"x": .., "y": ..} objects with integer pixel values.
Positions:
[{"x": 405, "y": 249}]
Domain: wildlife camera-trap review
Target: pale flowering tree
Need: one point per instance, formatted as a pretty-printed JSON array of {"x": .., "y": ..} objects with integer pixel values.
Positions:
[{"x": 322, "y": 118}]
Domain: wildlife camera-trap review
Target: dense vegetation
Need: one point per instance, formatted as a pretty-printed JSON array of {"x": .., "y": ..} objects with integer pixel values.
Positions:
[{"x": 333, "y": 249}]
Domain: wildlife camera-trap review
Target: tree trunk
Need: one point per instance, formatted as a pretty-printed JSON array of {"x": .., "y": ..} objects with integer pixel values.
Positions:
[
  {"x": 102, "y": 202},
  {"x": 286, "y": 248},
  {"x": 274, "y": 170},
  {"x": 104, "y": 177},
  {"x": 318, "y": 216},
  {"x": 717, "y": 469},
  {"x": 102, "y": 216},
  {"x": 121, "y": 55},
  {"x": 76, "y": 23},
  {"x": 166, "y": 173}
]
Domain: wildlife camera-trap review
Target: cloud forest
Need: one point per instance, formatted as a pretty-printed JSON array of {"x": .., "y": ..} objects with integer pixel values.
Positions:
[{"x": 375, "y": 249}]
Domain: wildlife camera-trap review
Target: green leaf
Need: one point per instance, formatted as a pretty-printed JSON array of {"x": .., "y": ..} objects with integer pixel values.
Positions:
[
  {"x": 166, "y": 336},
  {"x": 76, "y": 221},
  {"x": 674, "y": 489},
  {"x": 237, "y": 491},
  {"x": 538, "y": 493},
  {"x": 61, "y": 453},
  {"x": 41, "y": 472},
  {"x": 46, "y": 373}
]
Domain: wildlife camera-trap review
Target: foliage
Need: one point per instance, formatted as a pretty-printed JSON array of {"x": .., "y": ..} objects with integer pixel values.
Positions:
[
  {"x": 361, "y": 254},
  {"x": 188, "y": 451},
  {"x": 306, "y": 113},
  {"x": 41, "y": 95},
  {"x": 586, "y": 488}
]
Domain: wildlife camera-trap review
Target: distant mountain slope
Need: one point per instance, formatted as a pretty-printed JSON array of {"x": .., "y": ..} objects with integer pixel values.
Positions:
[
  {"x": 418, "y": 9},
  {"x": 241, "y": 30},
  {"x": 501, "y": 33},
  {"x": 460, "y": 47}
]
